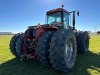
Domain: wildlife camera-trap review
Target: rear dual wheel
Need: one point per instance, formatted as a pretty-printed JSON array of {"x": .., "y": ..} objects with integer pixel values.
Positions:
[
  {"x": 20, "y": 45},
  {"x": 16, "y": 44},
  {"x": 82, "y": 42},
  {"x": 13, "y": 44}
]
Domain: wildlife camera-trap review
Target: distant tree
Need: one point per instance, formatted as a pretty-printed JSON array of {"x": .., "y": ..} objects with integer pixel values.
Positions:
[{"x": 98, "y": 32}]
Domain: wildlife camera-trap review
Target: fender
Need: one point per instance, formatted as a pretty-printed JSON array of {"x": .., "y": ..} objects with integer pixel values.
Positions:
[{"x": 42, "y": 30}]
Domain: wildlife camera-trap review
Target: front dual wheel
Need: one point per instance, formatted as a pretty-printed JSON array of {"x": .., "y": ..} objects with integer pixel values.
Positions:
[
  {"x": 63, "y": 50},
  {"x": 57, "y": 49}
]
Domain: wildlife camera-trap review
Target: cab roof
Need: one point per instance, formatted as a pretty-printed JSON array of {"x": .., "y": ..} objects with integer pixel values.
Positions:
[{"x": 56, "y": 10}]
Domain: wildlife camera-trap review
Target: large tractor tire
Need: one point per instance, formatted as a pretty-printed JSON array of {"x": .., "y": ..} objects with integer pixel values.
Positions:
[
  {"x": 82, "y": 42},
  {"x": 63, "y": 50},
  {"x": 43, "y": 47},
  {"x": 20, "y": 44},
  {"x": 13, "y": 44}
]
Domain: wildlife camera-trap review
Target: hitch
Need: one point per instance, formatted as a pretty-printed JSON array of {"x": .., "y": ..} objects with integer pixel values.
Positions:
[{"x": 26, "y": 57}]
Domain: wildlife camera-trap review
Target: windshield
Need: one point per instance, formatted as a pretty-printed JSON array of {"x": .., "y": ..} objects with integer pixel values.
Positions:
[
  {"x": 57, "y": 18},
  {"x": 53, "y": 18}
]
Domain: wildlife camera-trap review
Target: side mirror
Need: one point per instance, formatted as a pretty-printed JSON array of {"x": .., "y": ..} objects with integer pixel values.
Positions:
[{"x": 78, "y": 13}]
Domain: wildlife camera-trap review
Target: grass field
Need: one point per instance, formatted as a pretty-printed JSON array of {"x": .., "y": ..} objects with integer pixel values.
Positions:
[{"x": 86, "y": 64}]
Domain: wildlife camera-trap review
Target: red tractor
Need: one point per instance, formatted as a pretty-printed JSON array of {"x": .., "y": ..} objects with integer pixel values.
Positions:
[{"x": 55, "y": 43}]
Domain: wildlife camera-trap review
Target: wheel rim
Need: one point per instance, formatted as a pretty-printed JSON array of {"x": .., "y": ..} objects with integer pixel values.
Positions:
[{"x": 69, "y": 50}]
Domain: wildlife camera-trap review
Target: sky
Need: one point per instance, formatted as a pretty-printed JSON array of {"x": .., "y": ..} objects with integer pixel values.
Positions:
[{"x": 17, "y": 15}]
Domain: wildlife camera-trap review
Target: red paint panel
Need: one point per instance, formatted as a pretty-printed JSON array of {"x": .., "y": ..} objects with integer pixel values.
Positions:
[{"x": 42, "y": 30}]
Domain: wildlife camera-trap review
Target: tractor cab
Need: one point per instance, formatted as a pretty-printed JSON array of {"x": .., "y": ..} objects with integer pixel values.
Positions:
[{"x": 58, "y": 17}]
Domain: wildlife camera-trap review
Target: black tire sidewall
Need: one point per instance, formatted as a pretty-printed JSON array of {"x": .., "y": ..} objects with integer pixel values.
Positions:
[{"x": 20, "y": 45}]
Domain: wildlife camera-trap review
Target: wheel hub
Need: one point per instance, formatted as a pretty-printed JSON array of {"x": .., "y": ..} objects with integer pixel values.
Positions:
[{"x": 69, "y": 50}]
